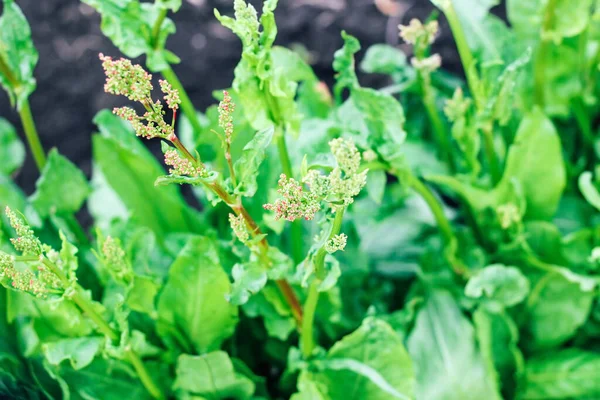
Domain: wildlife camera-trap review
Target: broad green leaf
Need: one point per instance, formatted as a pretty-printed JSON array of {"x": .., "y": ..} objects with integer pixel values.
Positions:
[
  {"x": 130, "y": 23},
  {"x": 247, "y": 280},
  {"x": 61, "y": 189},
  {"x": 211, "y": 375},
  {"x": 343, "y": 64},
  {"x": 101, "y": 380},
  {"x": 383, "y": 59},
  {"x": 534, "y": 161},
  {"x": 12, "y": 150},
  {"x": 141, "y": 297},
  {"x": 384, "y": 118},
  {"x": 498, "y": 337},
  {"x": 555, "y": 19},
  {"x": 309, "y": 388},
  {"x": 565, "y": 374},
  {"x": 272, "y": 307},
  {"x": 557, "y": 296},
  {"x": 589, "y": 191},
  {"x": 130, "y": 170},
  {"x": 442, "y": 345},
  {"x": 370, "y": 363},
  {"x": 193, "y": 299},
  {"x": 376, "y": 181},
  {"x": 247, "y": 166},
  {"x": 187, "y": 180},
  {"x": 18, "y": 56},
  {"x": 498, "y": 283},
  {"x": 79, "y": 351}
]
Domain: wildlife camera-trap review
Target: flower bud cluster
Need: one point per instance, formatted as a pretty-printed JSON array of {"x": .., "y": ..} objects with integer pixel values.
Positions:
[
  {"x": 336, "y": 243},
  {"x": 416, "y": 33},
  {"x": 26, "y": 242},
  {"x": 456, "y": 107},
  {"x": 341, "y": 185},
  {"x": 129, "y": 80},
  {"x": 125, "y": 79},
  {"x": 182, "y": 166},
  {"x": 226, "y": 109},
  {"x": 295, "y": 202},
  {"x": 238, "y": 225},
  {"x": 115, "y": 259},
  {"x": 508, "y": 215},
  {"x": 428, "y": 64},
  {"x": 171, "y": 96}
]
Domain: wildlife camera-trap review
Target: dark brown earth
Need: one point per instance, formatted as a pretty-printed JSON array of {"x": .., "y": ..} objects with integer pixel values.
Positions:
[{"x": 68, "y": 38}]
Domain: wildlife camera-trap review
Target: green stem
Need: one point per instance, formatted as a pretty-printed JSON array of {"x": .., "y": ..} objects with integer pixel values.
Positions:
[
  {"x": 435, "y": 207},
  {"x": 539, "y": 68},
  {"x": 466, "y": 57},
  {"x": 310, "y": 305},
  {"x": 186, "y": 103},
  {"x": 585, "y": 127},
  {"x": 157, "y": 24},
  {"x": 441, "y": 135},
  {"x": 490, "y": 153},
  {"x": 88, "y": 309},
  {"x": 32, "y": 135}
]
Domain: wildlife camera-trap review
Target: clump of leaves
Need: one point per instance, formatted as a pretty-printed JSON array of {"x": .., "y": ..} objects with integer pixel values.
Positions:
[{"x": 434, "y": 239}]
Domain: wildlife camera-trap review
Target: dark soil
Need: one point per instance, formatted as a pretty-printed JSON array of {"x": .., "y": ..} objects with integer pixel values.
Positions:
[{"x": 70, "y": 80}]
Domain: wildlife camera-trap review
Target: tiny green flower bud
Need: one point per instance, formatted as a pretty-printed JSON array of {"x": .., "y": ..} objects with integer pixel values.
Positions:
[
  {"x": 115, "y": 258},
  {"x": 346, "y": 154},
  {"x": 508, "y": 215},
  {"x": 26, "y": 242},
  {"x": 238, "y": 225},
  {"x": 457, "y": 106},
  {"x": 336, "y": 243}
]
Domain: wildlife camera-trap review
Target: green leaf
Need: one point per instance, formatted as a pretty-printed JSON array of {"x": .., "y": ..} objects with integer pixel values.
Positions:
[
  {"x": 62, "y": 187},
  {"x": 383, "y": 59},
  {"x": 556, "y": 20},
  {"x": 12, "y": 150},
  {"x": 79, "y": 351},
  {"x": 534, "y": 161},
  {"x": 247, "y": 166},
  {"x": 186, "y": 180},
  {"x": 498, "y": 337},
  {"x": 130, "y": 170},
  {"x": 588, "y": 190},
  {"x": 18, "y": 56},
  {"x": 193, "y": 299},
  {"x": 309, "y": 389},
  {"x": 101, "y": 380},
  {"x": 129, "y": 25},
  {"x": 272, "y": 307},
  {"x": 557, "y": 296},
  {"x": 141, "y": 297},
  {"x": 370, "y": 363},
  {"x": 247, "y": 280},
  {"x": 498, "y": 283},
  {"x": 384, "y": 118},
  {"x": 343, "y": 64},
  {"x": 447, "y": 362},
  {"x": 376, "y": 181},
  {"x": 211, "y": 375},
  {"x": 565, "y": 374}
]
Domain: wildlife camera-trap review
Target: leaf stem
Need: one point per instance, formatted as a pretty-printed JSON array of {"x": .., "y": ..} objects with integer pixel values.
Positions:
[
  {"x": 490, "y": 153},
  {"x": 310, "y": 305},
  {"x": 156, "y": 27},
  {"x": 186, "y": 103},
  {"x": 539, "y": 69},
  {"x": 585, "y": 127},
  {"x": 440, "y": 133},
  {"x": 88, "y": 309},
  {"x": 32, "y": 135}
]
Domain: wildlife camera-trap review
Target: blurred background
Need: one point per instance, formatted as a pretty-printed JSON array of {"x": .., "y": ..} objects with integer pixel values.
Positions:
[{"x": 70, "y": 79}]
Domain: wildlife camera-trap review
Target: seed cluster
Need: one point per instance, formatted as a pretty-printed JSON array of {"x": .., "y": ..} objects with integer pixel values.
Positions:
[
  {"x": 295, "y": 202},
  {"x": 508, "y": 215},
  {"x": 171, "y": 96},
  {"x": 26, "y": 242},
  {"x": 182, "y": 166},
  {"x": 416, "y": 33},
  {"x": 115, "y": 258},
  {"x": 456, "y": 107}
]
